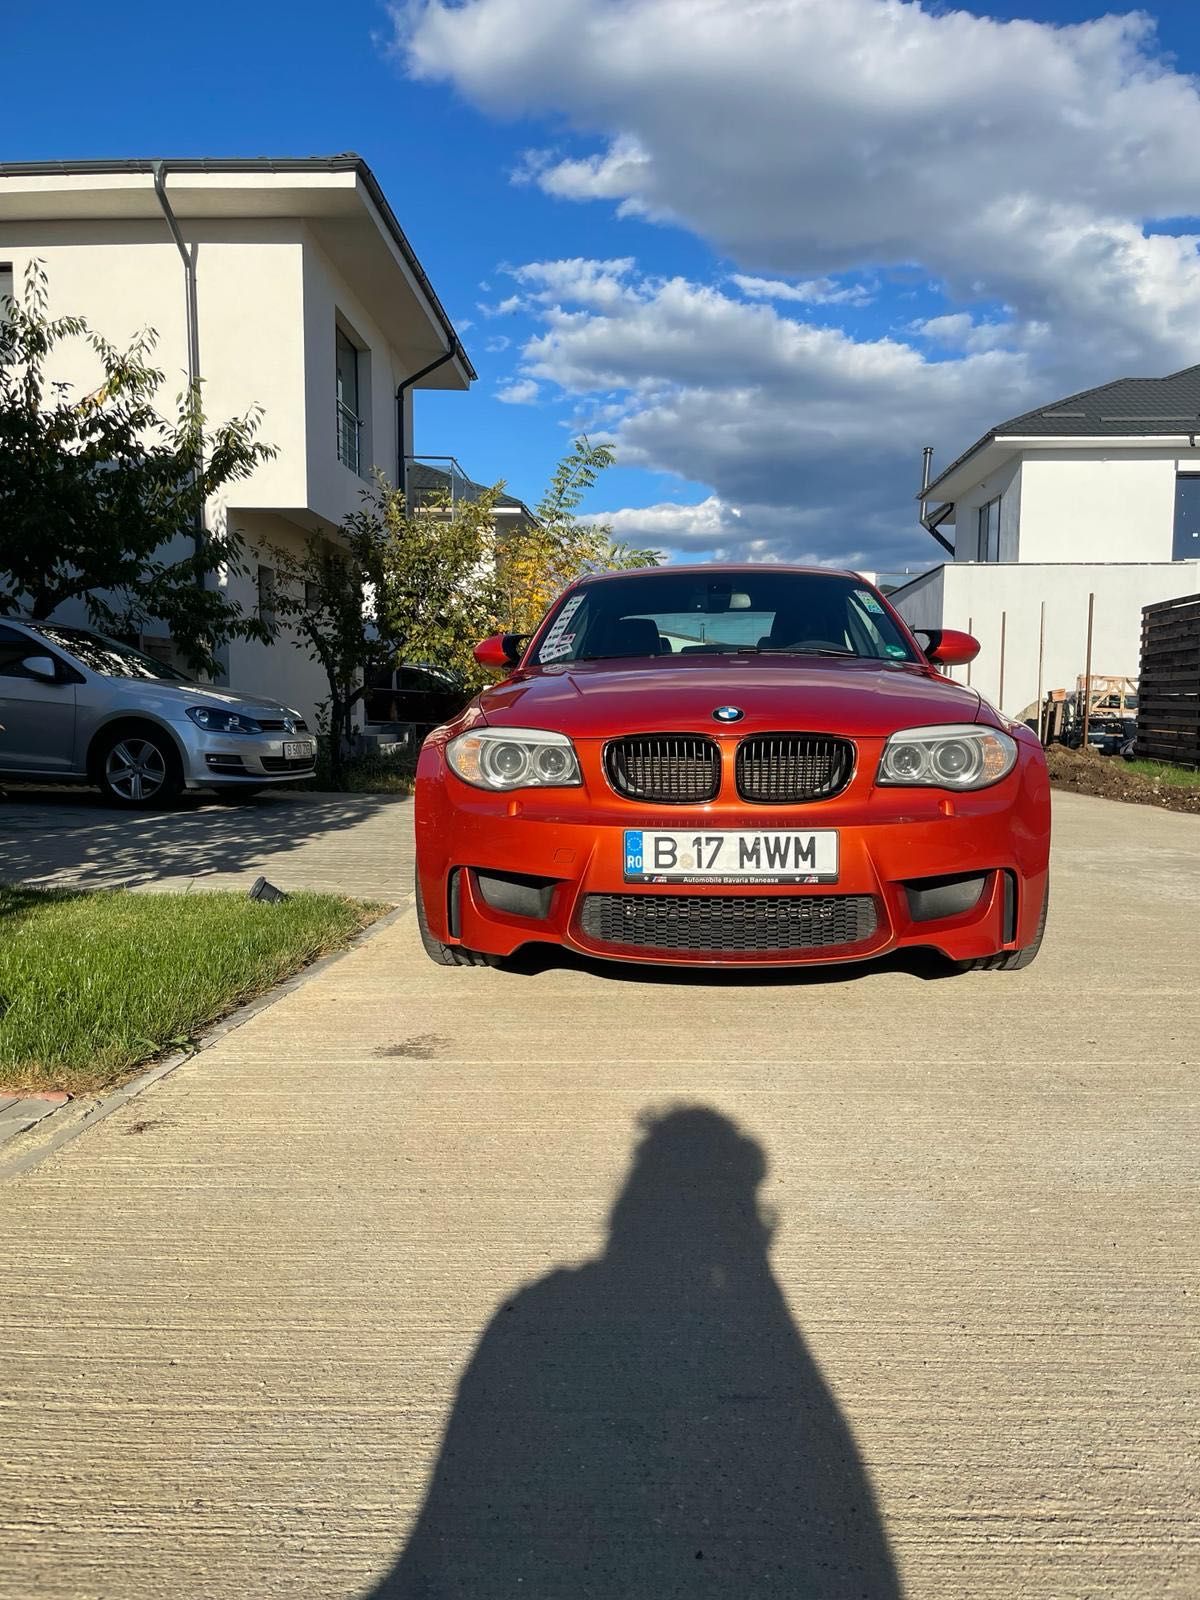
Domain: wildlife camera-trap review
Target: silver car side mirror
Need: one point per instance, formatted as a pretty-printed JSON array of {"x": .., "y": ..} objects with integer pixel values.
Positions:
[{"x": 43, "y": 667}]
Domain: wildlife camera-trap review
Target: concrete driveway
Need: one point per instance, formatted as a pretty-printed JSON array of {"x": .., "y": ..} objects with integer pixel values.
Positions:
[
  {"x": 580, "y": 1281},
  {"x": 356, "y": 844}
]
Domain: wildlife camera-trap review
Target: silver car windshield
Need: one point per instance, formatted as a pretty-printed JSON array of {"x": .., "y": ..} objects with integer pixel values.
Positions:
[{"x": 107, "y": 656}]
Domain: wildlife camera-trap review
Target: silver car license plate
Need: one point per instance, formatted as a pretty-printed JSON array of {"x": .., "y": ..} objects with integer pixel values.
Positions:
[
  {"x": 771, "y": 856},
  {"x": 297, "y": 749}
]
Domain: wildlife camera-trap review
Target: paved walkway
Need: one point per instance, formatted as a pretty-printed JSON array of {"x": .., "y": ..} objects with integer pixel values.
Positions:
[
  {"x": 952, "y": 1348},
  {"x": 356, "y": 844}
]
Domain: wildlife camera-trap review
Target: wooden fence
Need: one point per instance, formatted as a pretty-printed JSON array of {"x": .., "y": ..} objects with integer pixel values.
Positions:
[{"x": 1168, "y": 727}]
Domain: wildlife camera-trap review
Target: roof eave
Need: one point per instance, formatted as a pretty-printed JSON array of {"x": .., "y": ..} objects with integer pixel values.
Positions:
[{"x": 349, "y": 161}]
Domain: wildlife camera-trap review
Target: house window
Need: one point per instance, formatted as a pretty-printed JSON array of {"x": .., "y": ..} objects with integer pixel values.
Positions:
[
  {"x": 349, "y": 416},
  {"x": 312, "y": 595},
  {"x": 1186, "y": 546},
  {"x": 6, "y": 299},
  {"x": 266, "y": 595},
  {"x": 989, "y": 531}
]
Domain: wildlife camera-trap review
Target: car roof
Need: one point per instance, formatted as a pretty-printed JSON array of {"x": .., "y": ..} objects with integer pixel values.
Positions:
[{"x": 722, "y": 568}]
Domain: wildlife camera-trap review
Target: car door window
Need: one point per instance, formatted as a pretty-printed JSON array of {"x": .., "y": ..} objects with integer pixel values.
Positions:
[{"x": 15, "y": 649}]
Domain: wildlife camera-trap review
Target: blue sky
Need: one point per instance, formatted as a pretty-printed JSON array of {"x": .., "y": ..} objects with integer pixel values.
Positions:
[{"x": 828, "y": 231}]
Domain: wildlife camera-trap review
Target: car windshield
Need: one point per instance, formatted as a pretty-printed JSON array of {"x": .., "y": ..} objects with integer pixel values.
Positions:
[
  {"x": 768, "y": 610},
  {"x": 107, "y": 656}
]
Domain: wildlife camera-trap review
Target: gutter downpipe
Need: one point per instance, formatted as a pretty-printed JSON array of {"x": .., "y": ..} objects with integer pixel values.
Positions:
[
  {"x": 190, "y": 306},
  {"x": 192, "y": 314},
  {"x": 931, "y": 523},
  {"x": 406, "y": 383}
]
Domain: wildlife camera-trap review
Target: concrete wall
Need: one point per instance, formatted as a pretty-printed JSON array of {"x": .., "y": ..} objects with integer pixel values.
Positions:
[{"x": 983, "y": 598}]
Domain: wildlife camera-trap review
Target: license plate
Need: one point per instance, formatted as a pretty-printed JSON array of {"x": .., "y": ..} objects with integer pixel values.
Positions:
[
  {"x": 297, "y": 749},
  {"x": 774, "y": 856}
]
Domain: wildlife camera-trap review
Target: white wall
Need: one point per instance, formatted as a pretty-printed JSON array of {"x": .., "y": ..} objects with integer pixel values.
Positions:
[
  {"x": 282, "y": 670},
  {"x": 982, "y": 598},
  {"x": 1007, "y": 482},
  {"x": 333, "y": 489},
  {"x": 1098, "y": 506},
  {"x": 923, "y": 599},
  {"x": 127, "y": 276}
]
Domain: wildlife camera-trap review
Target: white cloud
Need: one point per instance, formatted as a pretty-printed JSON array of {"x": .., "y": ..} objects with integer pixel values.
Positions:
[
  {"x": 1012, "y": 170},
  {"x": 810, "y": 439},
  {"x": 521, "y": 392},
  {"x": 813, "y": 292},
  {"x": 959, "y": 331},
  {"x": 1024, "y": 180},
  {"x": 503, "y": 308},
  {"x": 500, "y": 342},
  {"x": 600, "y": 284}
]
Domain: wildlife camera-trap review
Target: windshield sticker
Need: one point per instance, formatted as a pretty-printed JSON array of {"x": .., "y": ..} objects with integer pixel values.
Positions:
[
  {"x": 555, "y": 644},
  {"x": 896, "y": 650},
  {"x": 869, "y": 601},
  {"x": 561, "y": 647}
]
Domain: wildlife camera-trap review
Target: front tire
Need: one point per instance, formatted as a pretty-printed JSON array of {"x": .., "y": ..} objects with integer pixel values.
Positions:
[
  {"x": 137, "y": 768},
  {"x": 446, "y": 955}
]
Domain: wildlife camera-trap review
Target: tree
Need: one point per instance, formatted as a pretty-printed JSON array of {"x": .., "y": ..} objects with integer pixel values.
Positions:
[
  {"x": 395, "y": 585},
  {"x": 535, "y": 565},
  {"x": 98, "y": 492}
]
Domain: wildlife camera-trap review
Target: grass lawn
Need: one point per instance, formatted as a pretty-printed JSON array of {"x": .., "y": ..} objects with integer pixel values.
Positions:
[
  {"x": 92, "y": 985},
  {"x": 1164, "y": 772}
]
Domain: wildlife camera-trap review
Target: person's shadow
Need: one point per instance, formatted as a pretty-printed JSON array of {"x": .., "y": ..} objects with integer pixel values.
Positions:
[{"x": 651, "y": 1424}]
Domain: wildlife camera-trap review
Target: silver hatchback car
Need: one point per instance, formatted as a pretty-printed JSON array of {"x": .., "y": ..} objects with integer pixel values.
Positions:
[{"x": 75, "y": 706}]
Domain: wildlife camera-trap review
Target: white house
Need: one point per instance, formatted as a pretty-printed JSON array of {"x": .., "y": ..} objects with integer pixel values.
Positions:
[
  {"x": 287, "y": 284},
  {"x": 1098, "y": 494}
]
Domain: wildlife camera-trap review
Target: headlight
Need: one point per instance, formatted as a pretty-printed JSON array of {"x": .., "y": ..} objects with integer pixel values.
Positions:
[
  {"x": 954, "y": 756},
  {"x": 213, "y": 719},
  {"x": 514, "y": 758}
]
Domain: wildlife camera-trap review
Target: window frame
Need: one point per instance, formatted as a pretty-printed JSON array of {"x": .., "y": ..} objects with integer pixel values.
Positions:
[
  {"x": 1177, "y": 546},
  {"x": 984, "y": 528},
  {"x": 351, "y": 426}
]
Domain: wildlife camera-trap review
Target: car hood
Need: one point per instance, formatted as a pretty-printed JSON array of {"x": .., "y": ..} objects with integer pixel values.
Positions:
[
  {"x": 175, "y": 695},
  {"x": 602, "y": 698}
]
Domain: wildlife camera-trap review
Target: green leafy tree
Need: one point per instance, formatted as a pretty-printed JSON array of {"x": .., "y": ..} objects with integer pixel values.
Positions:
[
  {"x": 101, "y": 497},
  {"x": 397, "y": 584},
  {"x": 535, "y": 565}
]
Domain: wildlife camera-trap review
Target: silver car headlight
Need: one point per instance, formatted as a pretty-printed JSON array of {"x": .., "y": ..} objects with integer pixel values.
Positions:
[
  {"x": 215, "y": 719},
  {"x": 514, "y": 758},
  {"x": 951, "y": 756}
]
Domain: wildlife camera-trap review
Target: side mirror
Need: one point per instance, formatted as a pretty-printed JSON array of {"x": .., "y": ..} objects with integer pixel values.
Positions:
[
  {"x": 499, "y": 651},
  {"x": 44, "y": 668},
  {"x": 949, "y": 647}
]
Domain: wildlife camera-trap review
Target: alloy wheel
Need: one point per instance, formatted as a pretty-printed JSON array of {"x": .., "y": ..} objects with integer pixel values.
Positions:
[{"x": 135, "y": 769}]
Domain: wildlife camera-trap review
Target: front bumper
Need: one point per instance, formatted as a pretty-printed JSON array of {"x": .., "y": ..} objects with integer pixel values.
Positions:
[
  {"x": 229, "y": 760},
  {"x": 569, "y": 844}
]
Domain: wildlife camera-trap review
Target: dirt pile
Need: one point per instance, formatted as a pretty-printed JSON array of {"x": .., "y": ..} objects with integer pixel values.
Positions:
[{"x": 1111, "y": 778}]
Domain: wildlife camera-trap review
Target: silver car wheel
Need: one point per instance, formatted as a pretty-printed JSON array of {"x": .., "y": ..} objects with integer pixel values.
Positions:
[{"x": 135, "y": 769}]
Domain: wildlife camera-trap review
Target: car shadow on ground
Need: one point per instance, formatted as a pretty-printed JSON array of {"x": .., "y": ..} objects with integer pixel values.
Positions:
[
  {"x": 537, "y": 960},
  {"x": 70, "y": 836},
  {"x": 650, "y": 1425}
]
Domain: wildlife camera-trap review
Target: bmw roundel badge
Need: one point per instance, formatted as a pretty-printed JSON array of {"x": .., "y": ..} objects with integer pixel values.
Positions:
[{"x": 729, "y": 713}]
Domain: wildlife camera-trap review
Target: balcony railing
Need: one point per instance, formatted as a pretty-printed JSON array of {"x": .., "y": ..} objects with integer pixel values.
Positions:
[
  {"x": 437, "y": 481},
  {"x": 349, "y": 437}
]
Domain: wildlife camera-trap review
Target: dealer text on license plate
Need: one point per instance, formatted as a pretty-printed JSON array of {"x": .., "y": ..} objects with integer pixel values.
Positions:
[
  {"x": 297, "y": 750},
  {"x": 773, "y": 856}
]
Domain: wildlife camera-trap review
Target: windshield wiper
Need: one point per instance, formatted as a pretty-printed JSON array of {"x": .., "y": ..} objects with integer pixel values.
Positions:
[{"x": 810, "y": 650}]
